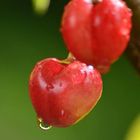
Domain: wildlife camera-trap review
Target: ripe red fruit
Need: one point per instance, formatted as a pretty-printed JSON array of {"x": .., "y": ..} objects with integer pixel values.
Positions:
[
  {"x": 96, "y": 33},
  {"x": 61, "y": 93}
]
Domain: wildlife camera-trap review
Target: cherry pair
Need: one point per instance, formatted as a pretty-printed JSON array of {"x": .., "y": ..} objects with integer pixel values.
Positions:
[{"x": 96, "y": 32}]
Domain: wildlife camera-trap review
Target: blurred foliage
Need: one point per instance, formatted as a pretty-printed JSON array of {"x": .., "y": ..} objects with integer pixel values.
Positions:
[
  {"x": 134, "y": 132},
  {"x": 40, "y": 6}
]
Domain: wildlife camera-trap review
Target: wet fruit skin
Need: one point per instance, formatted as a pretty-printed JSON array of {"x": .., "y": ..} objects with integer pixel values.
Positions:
[
  {"x": 62, "y": 94},
  {"x": 98, "y": 33}
]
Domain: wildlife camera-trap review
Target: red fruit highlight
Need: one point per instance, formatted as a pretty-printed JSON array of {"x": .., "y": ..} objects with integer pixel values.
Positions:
[
  {"x": 98, "y": 33},
  {"x": 62, "y": 94}
]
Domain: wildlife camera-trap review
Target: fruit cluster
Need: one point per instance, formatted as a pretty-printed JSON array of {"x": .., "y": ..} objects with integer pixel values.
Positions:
[{"x": 96, "y": 32}]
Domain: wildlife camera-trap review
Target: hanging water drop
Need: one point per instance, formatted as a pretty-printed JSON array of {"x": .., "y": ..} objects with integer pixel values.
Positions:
[{"x": 42, "y": 125}]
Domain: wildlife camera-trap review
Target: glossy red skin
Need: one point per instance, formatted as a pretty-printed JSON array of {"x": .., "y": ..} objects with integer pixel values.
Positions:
[
  {"x": 96, "y": 34},
  {"x": 63, "y": 94}
]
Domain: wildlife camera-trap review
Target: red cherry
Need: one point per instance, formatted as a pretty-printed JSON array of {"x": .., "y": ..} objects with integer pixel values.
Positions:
[
  {"x": 61, "y": 93},
  {"x": 97, "y": 33}
]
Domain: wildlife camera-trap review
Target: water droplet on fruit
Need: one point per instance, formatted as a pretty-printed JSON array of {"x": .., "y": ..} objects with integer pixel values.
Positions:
[
  {"x": 88, "y": 1},
  {"x": 58, "y": 86},
  {"x": 49, "y": 86},
  {"x": 41, "y": 81},
  {"x": 97, "y": 21},
  {"x": 62, "y": 112},
  {"x": 119, "y": 3},
  {"x": 124, "y": 31},
  {"x": 42, "y": 125},
  {"x": 72, "y": 21},
  {"x": 90, "y": 68}
]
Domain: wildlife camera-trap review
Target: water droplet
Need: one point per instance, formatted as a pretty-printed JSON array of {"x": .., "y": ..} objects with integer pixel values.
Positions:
[
  {"x": 42, "y": 81},
  {"x": 62, "y": 112},
  {"x": 88, "y": 1},
  {"x": 49, "y": 86},
  {"x": 97, "y": 21},
  {"x": 72, "y": 21},
  {"x": 124, "y": 31},
  {"x": 42, "y": 125}
]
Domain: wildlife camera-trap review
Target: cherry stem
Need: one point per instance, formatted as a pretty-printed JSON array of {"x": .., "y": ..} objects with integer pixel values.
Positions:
[
  {"x": 96, "y": 1},
  {"x": 70, "y": 58}
]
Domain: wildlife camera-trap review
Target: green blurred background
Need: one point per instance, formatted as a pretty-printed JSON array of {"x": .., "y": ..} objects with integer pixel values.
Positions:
[{"x": 26, "y": 38}]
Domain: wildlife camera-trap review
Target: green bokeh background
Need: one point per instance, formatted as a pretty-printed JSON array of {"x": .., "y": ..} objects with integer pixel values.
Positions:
[{"x": 26, "y": 38}]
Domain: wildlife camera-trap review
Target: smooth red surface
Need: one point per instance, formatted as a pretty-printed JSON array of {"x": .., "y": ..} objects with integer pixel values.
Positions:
[
  {"x": 61, "y": 94},
  {"x": 96, "y": 34}
]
